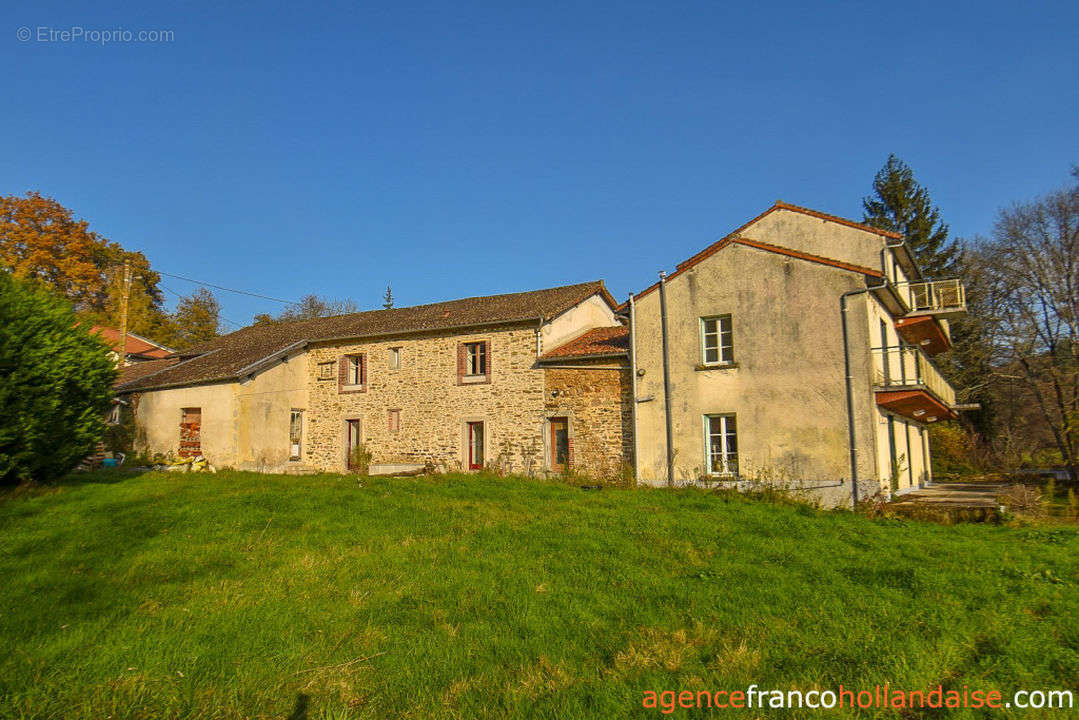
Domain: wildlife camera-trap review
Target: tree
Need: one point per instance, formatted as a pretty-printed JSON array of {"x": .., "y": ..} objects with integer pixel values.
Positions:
[
  {"x": 1032, "y": 277},
  {"x": 40, "y": 240},
  {"x": 310, "y": 307},
  {"x": 900, "y": 204},
  {"x": 55, "y": 384},
  {"x": 387, "y": 299},
  {"x": 196, "y": 318}
]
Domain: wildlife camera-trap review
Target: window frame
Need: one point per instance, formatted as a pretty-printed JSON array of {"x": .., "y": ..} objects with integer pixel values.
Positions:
[
  {"x": 719, "y": 333},
  {"x": 480, "y": 356},
  {"x": 466, "y": 351},
  {"x": 299, "y": 441},
  {"x": 726, "y": 454},
  {"x": 393, "y": 420},
  {"x": 344, "y": 373},
  {"x": 393, "y": 360}
]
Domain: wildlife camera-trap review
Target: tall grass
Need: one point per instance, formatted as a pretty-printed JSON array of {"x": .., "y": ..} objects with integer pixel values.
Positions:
[{"x": 242, "y": 595}]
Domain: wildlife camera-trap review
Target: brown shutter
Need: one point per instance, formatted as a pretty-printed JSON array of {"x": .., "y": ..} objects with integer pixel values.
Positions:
[
  {"x": 461, "y": 361},
  {"x": 363, "y": 369},
  {"x": 342, "y": 372},
  {"x": 487, "y": 358}
]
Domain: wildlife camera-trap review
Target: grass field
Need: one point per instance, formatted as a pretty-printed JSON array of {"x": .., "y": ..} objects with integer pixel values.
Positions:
[{"x": 241, "y": 595}]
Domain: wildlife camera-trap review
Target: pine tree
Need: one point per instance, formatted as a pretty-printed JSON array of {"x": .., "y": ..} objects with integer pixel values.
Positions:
[
  {"x": 900, "y": 204},
  {"x": 387, "y": 299}
]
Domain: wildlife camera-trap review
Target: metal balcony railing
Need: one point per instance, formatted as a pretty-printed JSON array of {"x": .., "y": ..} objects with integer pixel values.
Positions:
[
  {"x": 935, "y": 296},
  {"x": 907, "y": 366}
]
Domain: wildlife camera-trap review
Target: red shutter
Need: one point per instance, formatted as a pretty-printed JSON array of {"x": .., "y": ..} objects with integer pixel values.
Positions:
[
  {"x": 487, "y": 358},
  {"x": 342, "y": 372},
  {"x": 462, "y": 359}
]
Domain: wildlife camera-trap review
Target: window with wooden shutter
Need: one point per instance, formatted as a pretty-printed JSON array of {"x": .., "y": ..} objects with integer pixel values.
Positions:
[
  {"x": 474, "y": 362},
  {"x": 352, "y": 373}
]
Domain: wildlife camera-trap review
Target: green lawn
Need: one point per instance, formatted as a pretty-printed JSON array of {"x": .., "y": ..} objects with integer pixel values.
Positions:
[{"x": 243, "y": 595}]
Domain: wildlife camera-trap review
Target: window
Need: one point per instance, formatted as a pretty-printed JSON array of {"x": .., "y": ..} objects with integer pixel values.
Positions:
[
  {"x": 352, "y": 373},
  {"x": 721, "y": 444},
  {"x": 114, "y": 414},
  {"x": 717, "y": 340},
  {"x": 394, "y": 420},
  {"x": 474, "y": 362},
  {"x": 325, "y": 370},
  {"x": 476, "y": 358},
  {"x": 295, "y": 434},
  {"x": 355, "y": 370},
  {"x": 395, "y": 358}
]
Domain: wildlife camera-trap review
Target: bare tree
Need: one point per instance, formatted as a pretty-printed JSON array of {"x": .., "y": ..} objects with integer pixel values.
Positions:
[{"x": 1031, "y": 267}]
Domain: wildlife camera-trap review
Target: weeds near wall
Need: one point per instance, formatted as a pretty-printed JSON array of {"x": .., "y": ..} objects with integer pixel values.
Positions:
[{"x": 359, "y": 460}]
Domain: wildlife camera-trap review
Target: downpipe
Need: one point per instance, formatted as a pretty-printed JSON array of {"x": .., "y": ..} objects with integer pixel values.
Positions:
[
  {"x": 848, "y": 373},
  {"x": 666, "y": 377}
]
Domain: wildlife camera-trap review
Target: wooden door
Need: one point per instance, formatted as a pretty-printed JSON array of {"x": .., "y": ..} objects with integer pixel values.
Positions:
[
  {"x": 559, "y": 444},
  {"x": 475, "y": 446},
  {"x": 353, "y": 439}
]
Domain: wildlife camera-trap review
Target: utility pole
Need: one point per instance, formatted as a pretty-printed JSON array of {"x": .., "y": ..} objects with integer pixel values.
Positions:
[{"x": 125, "y": 293}]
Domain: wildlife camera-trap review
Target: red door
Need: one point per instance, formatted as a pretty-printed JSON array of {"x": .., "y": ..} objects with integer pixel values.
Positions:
[{"x": 475, "y": 446}]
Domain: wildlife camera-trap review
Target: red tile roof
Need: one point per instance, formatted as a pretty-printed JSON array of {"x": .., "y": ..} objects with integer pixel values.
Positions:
[
  {"x": 598, "y": 342},
  {"x": 136, "y": 344}
]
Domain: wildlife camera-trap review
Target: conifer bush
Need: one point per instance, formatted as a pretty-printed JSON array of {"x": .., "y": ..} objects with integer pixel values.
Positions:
[{"x": 55, "y": 385}]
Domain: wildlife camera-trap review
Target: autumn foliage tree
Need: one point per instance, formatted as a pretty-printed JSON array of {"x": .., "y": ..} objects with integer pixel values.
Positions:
[{"x": 42, "y": 242}]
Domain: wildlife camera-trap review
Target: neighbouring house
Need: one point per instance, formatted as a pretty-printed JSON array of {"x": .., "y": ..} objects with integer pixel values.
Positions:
[
  {"x": 798, "y": 351},
  {"x": 758, "y": 359},
  {"x": 533, "y": 382},
  {"x": 137, "y": 348}
]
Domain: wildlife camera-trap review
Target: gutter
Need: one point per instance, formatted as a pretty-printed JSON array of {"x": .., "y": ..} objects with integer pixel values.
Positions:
[{"x": 843, "y": 308}]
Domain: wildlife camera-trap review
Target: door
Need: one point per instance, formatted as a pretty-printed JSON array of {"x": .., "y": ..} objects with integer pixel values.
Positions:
[
  {"x": 559, "y": 444},
  {"x": 475, "y": 446},
  {"x": 353, "y": 440}
]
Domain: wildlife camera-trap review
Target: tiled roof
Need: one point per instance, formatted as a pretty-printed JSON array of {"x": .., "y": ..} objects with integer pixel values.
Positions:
[
  {"x": 598, "y": 342},
  {"x": 136, "y": 344},
  {"x": 139, "y": 370},
  {"x": 237, "y": 354}
]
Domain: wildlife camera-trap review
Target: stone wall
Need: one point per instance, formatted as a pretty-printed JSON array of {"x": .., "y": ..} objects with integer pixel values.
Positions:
[
  {"x": 596, "y": 400},
  {"x": 433, "y": 407}
]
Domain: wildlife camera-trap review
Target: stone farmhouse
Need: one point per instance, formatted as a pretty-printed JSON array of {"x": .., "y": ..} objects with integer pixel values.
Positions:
[{"x": 796, "y": 350}]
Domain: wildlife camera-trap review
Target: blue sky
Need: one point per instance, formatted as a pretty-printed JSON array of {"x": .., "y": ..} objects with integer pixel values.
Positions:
[{"x": 455, "y": 149}]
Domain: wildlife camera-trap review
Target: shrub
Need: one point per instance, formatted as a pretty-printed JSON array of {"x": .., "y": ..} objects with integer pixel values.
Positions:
[
  {"x": 359, "y": 459},
  {"x": 55, "y": 385},
  {"x": 1022, "y": 500}
]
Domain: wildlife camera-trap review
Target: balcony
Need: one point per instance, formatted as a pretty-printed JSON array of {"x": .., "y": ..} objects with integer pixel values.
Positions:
[
  {"x": 941, "y": 298},
  {"x": 931, "y": 334},
  {"x": 907, "y": 383}
]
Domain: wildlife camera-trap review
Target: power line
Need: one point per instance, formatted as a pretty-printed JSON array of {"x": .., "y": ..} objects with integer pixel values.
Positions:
[
  {"x": 219, "y": 316},
  {"x": 226, "y": 289}
]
